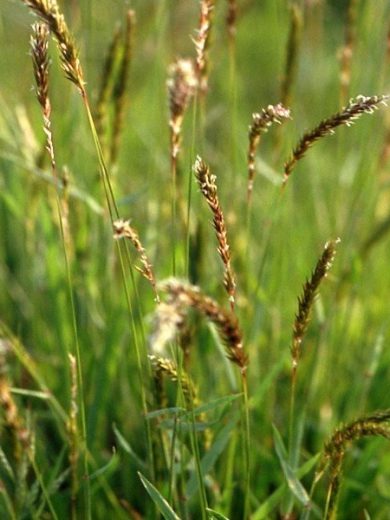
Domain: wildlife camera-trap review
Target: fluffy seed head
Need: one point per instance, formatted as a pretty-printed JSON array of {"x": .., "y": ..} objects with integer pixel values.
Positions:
[{"x": 181, "y": 85}]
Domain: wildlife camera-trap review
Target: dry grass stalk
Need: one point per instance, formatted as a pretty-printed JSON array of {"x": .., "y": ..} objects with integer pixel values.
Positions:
[
  {"x": 335, "y": 449},
  {"x": 307, "y": 298},
  {"x": 181, "y": 84},
  {"x": 123, "y": 229},
  {"x": 261, "y": 122},
  {"x": 293, "y": 45},
  {"x": 50, "y": 13},
  {"x": 208, "y": 188},
  {"x": 347, "y": 50},
  {"x": 187, "y": 295},
  {"x": 73, "y": 433},
  {"x": 119, "y": 93},
  {"x": 202, "y": 41},
  {"x": 355, "y": 108},
  {"x": 231, "y": 19}
]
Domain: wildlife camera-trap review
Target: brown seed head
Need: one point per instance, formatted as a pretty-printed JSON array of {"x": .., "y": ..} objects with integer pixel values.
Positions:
[
  {"x": 208, "y": 187},
  {"x": 39, "y": 52},
  {"x": 123, "y": 229},
  {"x": 261, "y": 122},
  {"x": 49, "y": 12},
  {"x": 376, "y": 425},
  {"x": 355, "y": 109},
  {"x": 306, "y": 300},
  {"x": 225, "y": 322}
]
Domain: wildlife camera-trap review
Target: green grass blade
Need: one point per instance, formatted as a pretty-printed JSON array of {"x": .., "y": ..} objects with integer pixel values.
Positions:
[
  {"x": 292, "y": 481},
  {"x": 216, "y": 403},
  {"x": 162, "y": 505},
  {"x": 124, "y": 444},
  {"x": 273, "y": 500},
  {"x": 214, "y": 515},
  {"x": 209, "y": 460}
]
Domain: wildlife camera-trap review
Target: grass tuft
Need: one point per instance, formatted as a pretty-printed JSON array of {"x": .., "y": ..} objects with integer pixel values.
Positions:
[{"x": 199, "y": 432}]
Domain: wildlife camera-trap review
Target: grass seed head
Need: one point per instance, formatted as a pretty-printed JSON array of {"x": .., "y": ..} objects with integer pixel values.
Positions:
[
  {"x": 307, "y": 298},
  {"x": 374, "y": 425},
  {"x": 168, "y": 320},
  {"x": 39, "y": 43},
  {"x": 231, "y": 18},
  {"x": 225, "y": 322},
  {"x": 347, "y": 116},
  {"x": 166, "y": 367},
  {"x": 123, "y": 229},
  {"x": 261, "y": 122},
  {"x": 181, "y": 84},
  {"x": 49, "y": 12},
  {"x": 208, "y": 187},
  {"x": 202, "y": 41},
  {"x": 120, "y": 87}
]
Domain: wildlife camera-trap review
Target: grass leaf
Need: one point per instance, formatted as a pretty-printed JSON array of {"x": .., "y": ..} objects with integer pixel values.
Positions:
[
  {"x": 292, "y": 481},
  {"x": 210, "y": 458},
  {"x": 273, "y": 500},
  {"x": 123, "y": 443},
  {"x": 214, "y": 515},
  {"x": 162, "y": 505}
]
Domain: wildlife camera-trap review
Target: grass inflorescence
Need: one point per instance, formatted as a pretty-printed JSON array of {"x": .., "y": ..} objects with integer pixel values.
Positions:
[
  {"x": 208, "y": 187},
  {"x": 49, "y": 12},
  {"x": 348, "y": 115}
]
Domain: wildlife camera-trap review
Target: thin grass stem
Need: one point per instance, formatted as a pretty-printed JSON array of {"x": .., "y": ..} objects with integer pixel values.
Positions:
[
  {"x": 39, "y": 45},
  {"x": 189, "y": 186},
  {"x": 247, "y": 445}
]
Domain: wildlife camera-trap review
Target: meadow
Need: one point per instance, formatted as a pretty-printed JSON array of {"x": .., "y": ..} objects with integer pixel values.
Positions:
[{"x": 194, "y": 259}]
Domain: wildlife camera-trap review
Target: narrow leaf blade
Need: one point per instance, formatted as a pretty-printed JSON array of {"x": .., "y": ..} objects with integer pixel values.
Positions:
[
  {"x": 292, "y": 481},
  {"x": 214, "y": 515},
  {"x": 162, "y": 505}
]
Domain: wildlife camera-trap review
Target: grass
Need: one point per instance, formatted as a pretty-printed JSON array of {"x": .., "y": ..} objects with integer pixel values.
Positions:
[{"x": 254, "y": 384}]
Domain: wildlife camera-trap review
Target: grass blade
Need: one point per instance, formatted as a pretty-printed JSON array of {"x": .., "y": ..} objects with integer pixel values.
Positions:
[
  {"x": 124, "y": 444},
  {"x": 214, "y": 515},
  {"x": 162, "y": 505},
  {"x": 208, "y": 461},
  {"x": 292, "y": 481},
  {"x": 273, "y": 500}
]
